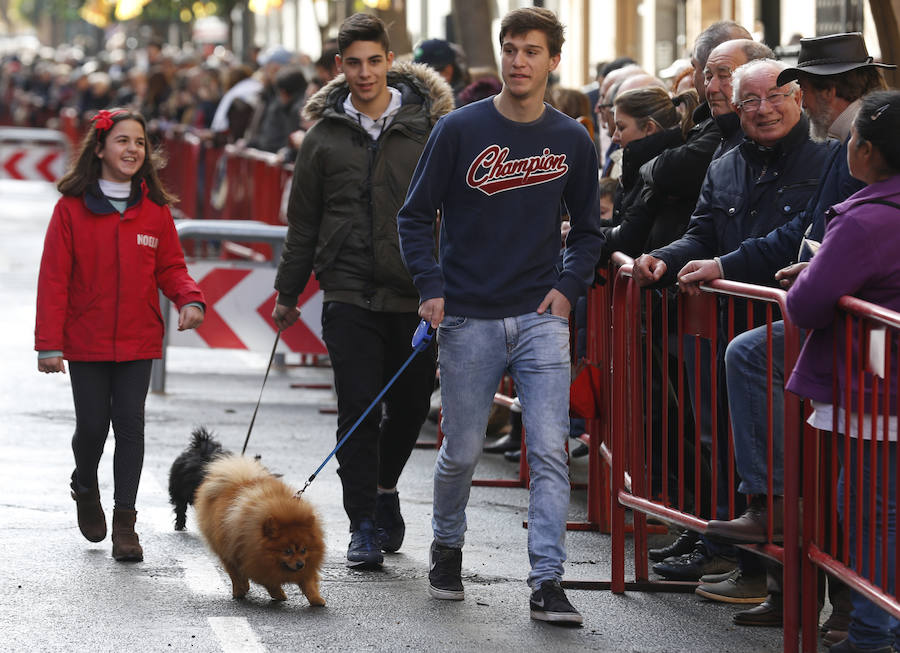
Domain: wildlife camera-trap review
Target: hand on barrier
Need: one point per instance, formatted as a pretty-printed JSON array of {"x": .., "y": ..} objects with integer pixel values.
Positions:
[
  {"x": 647, "y": 270},
  {"x": 787, "y": 276},
  {"x": 558, "y": 304},
  {"x": 51, "y": 365},
  {"x": 189, "y": 317},
  {"x": 432, "y": 310},
  {"x": 696, "y": 272},
  {"x": 285, "y": 316}
]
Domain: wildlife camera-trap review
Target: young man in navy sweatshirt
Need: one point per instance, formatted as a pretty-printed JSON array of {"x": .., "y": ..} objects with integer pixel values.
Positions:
[{"x": 500, "y": 170}]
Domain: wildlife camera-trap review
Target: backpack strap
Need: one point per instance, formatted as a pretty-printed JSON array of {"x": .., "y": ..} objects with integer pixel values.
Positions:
[{"x": 885, "y": 202}]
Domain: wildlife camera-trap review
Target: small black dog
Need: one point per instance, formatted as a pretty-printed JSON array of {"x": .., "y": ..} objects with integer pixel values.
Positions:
[{"x": 188, "y": 471}]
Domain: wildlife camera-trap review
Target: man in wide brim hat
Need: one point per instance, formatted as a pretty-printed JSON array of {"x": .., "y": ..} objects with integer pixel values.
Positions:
[
  {"x": 834, "y": 72},
  {"x": 831, "y": 55}
]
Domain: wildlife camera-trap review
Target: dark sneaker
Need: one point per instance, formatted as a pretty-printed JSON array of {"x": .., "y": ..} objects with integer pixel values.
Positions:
[
  {"x": 693, "y": 565},
  {"x": 389, "y": 525},
  {"x": 549, "y": 603},
  {"x": 363, "y": 552},
  {"x": 445, "y": 573},
  {"x": 683, "y": 544}
]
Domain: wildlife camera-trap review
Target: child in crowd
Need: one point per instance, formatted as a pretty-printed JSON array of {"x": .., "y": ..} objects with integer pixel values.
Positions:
[{"x": 111, "y": 244}]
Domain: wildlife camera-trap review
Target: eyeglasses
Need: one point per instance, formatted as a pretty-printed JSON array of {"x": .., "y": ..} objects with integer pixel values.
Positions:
[{"x": 753, "y": 104}]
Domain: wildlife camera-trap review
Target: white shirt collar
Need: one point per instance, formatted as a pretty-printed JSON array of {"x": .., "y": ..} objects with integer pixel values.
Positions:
[
  {"x": 375, "y": 127},
  {"x": 115, "y": 189}
]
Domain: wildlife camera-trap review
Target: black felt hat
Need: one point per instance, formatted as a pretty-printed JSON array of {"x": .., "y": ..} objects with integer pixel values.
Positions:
[{"x": 830, "y": 55}]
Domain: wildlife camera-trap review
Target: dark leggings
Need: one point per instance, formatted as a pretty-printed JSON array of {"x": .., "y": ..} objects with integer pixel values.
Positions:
[{"x": 107, "y": 392}]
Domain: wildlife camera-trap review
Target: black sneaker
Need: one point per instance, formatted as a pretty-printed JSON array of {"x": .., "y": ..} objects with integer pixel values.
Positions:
[
  {"x": 389, "y": 526},
  {"x": 363, "y": 552},
  {"x": 549, "y": 603},
  {"x": 445, "y": 573}
]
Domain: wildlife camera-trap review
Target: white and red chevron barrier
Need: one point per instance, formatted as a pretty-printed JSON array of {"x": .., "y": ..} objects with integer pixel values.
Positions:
[
  {"x": 32, "y": 154},
  {"x": 239, "y": 307}
]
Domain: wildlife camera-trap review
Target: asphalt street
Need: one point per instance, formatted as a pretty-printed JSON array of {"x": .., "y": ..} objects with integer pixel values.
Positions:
[{"x": 62, "y": 593}]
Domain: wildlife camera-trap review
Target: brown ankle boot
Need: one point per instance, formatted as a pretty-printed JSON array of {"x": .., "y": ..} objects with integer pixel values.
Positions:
[
  {"x": 126, "y": 546},
  {"x": 91, "y": 519}
]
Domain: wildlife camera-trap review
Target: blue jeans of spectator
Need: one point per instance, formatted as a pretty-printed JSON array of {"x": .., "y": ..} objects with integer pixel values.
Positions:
[
  {"x": 748, "y": 396},
  {"x": 870, "y": 626},
  {"x": 475, "y": 354}
]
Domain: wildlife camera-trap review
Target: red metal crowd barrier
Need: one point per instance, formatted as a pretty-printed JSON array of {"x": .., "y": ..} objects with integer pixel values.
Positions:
[
  {"x": 866, "y": 355},
  {"x": 180, "y": 175},
  {"x": 228, "y": 182},
  {"x": 646, "y": 444}
]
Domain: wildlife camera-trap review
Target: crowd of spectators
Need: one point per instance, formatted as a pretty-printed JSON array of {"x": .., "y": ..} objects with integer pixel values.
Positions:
[{"x": 726, "y": 169}]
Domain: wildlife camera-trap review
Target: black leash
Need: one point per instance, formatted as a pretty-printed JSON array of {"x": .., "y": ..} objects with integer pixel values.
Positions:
[
  {"x": 420, "y": 341},
  {"x": 265, "y": 378}
]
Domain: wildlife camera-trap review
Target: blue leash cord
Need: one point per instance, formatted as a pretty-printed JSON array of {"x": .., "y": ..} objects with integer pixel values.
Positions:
[{"x": 420, "y": 341}]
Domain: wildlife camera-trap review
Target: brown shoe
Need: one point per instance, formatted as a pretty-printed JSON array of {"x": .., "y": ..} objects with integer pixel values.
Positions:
[
  {"x": 91, "y": 519},
  {"x": 767, "y": 613},
  {"x": 751, "y": 527},
  {"x": 126, "y": 547}
]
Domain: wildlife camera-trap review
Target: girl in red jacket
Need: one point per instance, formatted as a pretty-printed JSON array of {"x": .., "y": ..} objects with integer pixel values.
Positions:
[{"x": 111, "y": 244}]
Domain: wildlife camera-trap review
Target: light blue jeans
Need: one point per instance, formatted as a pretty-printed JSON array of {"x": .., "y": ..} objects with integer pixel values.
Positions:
[
  {"x": 474, "y": 355},
  {"x": 748, "y": 398}
]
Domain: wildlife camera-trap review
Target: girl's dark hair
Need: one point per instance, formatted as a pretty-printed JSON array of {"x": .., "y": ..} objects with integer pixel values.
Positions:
[
  {"x": 84, "y": 172},
  {"x": 572, "y": 102},
  {"x": 654, "y": 103},
  {"x": 878, "y": 122}
]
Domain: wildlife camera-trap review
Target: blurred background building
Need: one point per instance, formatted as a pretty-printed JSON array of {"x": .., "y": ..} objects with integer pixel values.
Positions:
[{"x": 657, "y": 33}]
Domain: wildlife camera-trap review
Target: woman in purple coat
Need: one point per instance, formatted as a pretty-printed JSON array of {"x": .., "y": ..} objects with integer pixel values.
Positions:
[{"x": 859, "y": 256}]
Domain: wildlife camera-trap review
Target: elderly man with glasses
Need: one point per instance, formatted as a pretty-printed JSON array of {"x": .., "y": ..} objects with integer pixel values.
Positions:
[
  {"x": 755, "y": 187},
  {"x": 749, "y": 191}
]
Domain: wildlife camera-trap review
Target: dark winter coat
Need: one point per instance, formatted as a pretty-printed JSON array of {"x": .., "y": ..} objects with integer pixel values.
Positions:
[
  {"x": 347, "y": 190},
  {"x": 747, "y": 193}
]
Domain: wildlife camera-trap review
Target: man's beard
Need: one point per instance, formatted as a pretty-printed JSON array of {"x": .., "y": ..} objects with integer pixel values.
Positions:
[{"x": 819, "y": 122}]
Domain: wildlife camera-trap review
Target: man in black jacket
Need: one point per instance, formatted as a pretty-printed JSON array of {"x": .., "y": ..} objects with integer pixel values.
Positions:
[
  {"x": 349, "y": 182},
  {"x": 831, "y": 95},
  {"x": 750, "y": 190}
]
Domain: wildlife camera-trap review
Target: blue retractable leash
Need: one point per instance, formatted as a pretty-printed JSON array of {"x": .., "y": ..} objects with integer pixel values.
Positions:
[{"x": 420, "y": 340}]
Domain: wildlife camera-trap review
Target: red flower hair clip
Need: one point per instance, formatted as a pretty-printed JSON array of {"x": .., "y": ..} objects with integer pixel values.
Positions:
[{"x": 103, "y": 119}]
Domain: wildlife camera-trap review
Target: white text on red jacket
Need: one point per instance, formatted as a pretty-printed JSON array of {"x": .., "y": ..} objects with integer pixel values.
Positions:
[
  {"x": 491, "y": 173},
  {"x": 147, "y": 241}
]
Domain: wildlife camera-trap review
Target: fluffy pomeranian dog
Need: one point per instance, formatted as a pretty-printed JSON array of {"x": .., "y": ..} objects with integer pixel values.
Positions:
[
  {"x": 259, "y": 529},
  {"x": 189, "y": 470}
]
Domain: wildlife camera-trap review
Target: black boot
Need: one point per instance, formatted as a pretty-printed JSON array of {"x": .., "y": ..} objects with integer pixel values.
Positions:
[{"x": 684, "y": 544}]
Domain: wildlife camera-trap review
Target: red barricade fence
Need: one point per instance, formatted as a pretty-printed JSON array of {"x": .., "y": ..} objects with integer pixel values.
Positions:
[
  {"x": 670, "y": 430},
  {"x": 863, "y": 553}
]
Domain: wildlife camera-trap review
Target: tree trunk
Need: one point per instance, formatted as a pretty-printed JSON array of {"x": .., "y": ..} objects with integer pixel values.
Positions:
[
  {"x": 395, "y": 19},
  {"x": 472, "y": 23},
  {"x": 885, "y": 15}
]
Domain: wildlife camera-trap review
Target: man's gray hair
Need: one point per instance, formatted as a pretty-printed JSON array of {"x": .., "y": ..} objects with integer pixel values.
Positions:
[
  {"x": 755, "y": 50},
  {"x": 716, "y": 34},
  {"x": 737, "y": 77}
]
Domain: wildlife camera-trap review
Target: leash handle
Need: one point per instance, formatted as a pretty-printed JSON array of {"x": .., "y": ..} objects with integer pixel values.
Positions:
[
  {"x": 265, "y": 378},
  {"x": 421, "y": 339}
]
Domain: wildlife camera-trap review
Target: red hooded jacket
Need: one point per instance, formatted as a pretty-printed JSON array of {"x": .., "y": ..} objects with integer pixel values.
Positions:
[{"x": 97, "y": 294}]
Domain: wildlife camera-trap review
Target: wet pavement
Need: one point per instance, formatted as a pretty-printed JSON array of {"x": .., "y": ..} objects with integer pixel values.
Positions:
[{"x": 62, "y": 593}]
